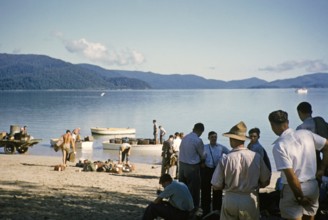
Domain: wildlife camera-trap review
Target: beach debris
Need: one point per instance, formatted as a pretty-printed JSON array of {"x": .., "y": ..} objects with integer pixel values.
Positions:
[
  {"x": 105, "y": 166},
  {"x": 59, "y": 167}
]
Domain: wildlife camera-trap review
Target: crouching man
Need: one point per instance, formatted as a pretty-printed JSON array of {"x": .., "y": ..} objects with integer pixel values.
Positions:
[
  {"x": 124, "y": 152},
  {"x": 178, "y": 205}
]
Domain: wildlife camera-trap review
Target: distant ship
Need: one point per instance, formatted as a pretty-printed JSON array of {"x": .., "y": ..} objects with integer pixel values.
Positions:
[
  {"x": 302, "y": 91},
  {"x": 102, "y": 94}
]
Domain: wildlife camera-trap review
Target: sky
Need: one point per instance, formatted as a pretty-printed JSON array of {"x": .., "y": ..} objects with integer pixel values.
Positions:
[{"x": 215, "y": 39}]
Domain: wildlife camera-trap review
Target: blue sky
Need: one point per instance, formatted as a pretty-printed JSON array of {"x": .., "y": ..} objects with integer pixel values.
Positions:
[{"x": 225, "y": 40}]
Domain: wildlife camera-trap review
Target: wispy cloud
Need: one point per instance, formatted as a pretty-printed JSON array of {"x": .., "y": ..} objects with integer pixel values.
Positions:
[
  {"x": 97, "y": 52},
  {"x": 308, "y": 65}
]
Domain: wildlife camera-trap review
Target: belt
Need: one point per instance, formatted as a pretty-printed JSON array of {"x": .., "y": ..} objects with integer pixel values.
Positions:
[{"x": 307, "y": 180}]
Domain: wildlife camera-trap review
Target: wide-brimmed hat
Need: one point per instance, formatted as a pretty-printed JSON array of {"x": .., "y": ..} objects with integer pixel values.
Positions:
[{"x": 237, "y": 132}]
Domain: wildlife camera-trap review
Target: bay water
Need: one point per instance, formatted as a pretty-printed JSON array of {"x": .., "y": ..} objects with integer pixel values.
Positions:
[{"x": 48, "y": 114}]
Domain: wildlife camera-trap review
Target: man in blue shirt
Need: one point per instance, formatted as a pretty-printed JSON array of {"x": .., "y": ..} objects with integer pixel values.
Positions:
[
  {"x": 213, "y": 153},
  {"x": 179, "y": 202},
  {"x": 254, "y": 145}
]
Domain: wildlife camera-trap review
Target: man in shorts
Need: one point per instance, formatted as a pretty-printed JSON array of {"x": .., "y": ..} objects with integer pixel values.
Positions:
[
  {"x": 295, "y": 156},
  {"x": 66, "y": 146}
]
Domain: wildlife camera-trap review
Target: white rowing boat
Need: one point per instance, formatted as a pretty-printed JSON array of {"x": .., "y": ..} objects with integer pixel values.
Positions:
[
  {"x": 86, "y": 145},
  {"x": 113, "y": 131},
  {"x": 107, "y": 145}
]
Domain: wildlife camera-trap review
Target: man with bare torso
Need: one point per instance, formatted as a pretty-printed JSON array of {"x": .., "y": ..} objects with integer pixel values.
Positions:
[{"x": 67, "y": 142}]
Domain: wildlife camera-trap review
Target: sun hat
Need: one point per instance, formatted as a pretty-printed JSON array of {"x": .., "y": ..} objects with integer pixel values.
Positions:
[{"x": 237, "y": 132}]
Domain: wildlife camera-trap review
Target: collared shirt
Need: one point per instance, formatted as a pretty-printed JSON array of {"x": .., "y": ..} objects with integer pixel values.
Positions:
[
  {"x": 257, "y": 147},
  {"x": 241, "y": 171},
  {"x": 162, "y": 131},
  {"x": 191, "y": 149},
  {"x": 213, "y": 153},
  {"x": 176, "y": 144},
  {"x": 307, "y": 124},
  {"x": 296, "y": 150},
  {"x": 179, "y": 196}
]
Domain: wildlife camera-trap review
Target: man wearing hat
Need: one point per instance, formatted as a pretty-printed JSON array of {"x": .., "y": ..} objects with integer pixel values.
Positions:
[
  {"x": 295, "y": 156},
  {"x": 179, "y": 202},
  {"x": 240, "y": 173}
]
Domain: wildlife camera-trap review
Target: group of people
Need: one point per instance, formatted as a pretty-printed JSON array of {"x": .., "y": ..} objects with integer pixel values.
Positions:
[
  {"x": 158, "y": 132},
  {"x": 244, "y": 169},
  {"x": 170, "y": 155}
]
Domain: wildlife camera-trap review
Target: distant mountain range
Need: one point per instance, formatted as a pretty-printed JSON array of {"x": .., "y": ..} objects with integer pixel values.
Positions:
[{"x": 36, "y": 72}]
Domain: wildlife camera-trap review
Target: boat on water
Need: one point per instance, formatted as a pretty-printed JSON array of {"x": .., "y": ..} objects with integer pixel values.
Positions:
[
  {"x": 302, "y": 91},
  {"x": 136, "y": 144},
  {"x": 113, "y": 131},
  {"x": 86, "y": 145},
  {"x": 107, "y": 145}
]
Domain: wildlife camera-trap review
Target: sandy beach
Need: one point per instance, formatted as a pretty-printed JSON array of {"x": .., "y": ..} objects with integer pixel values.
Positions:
[{"x": 31, "y": 189}]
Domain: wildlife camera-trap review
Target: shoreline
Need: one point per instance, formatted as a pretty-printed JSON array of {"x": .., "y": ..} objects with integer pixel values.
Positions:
[{"x": 31, "y": 189}]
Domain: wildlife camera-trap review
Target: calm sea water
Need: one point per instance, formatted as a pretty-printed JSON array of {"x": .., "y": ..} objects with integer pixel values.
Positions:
[{"x": 49, "y": 113}]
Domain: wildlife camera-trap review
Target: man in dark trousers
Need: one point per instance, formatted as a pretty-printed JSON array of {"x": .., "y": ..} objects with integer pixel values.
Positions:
[{"x": 191, "y": 158}]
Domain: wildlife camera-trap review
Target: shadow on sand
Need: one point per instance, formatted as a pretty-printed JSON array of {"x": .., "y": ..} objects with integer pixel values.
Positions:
[{"x": 31, "y": 201}]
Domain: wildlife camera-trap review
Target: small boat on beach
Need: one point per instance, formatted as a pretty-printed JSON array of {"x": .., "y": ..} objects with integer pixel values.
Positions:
[
  {"x": 136, "y": 144},
  {"x": 113, "y": 131},
  {"x": 107, "y": 145},
  {"x": 86, "y": 145},
  {"x": 302, "y": 91}
]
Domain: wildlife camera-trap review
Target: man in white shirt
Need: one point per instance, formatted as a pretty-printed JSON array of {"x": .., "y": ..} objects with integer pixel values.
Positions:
[
  {"x": 295, "y": 156},
  {"x": 176, "y": 149},
  {"x": 191, "y": 157}
]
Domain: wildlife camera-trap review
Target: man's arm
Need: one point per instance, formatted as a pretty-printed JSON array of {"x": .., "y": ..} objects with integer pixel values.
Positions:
[
  {"x": 324, "y": 162},
  {"x": 217, "y": 188},
  {"x": 218, "y": 177},
  {"x": 295, "y": 186},
  {"x": 73, "y": 145},
  {"x": 158, "y": 200}
]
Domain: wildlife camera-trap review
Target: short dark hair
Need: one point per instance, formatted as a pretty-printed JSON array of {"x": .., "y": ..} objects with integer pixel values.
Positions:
[
  {"x": 68, "y": 131},
  {"x": 304, "y": 107},
  {"x": 278, "y": 117},
  {"x": 211, "y": 133},
  {"x": 254, "y": 130},
  {"x": 199, "y": 127},
  {"x": 164, "y": 178}
]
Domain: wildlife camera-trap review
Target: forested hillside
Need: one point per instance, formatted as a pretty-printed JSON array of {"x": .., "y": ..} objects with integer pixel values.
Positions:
[{"x": 35, "y": 72}]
